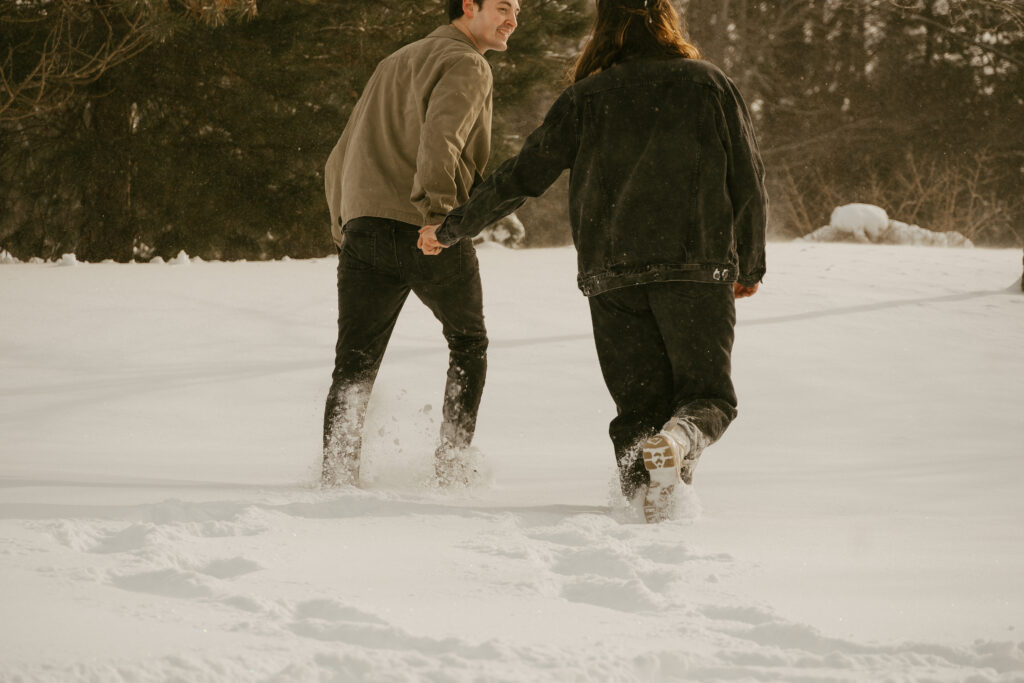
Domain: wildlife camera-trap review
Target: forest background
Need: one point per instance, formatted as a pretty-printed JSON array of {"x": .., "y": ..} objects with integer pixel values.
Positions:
[{"x": 131, "y": 129}]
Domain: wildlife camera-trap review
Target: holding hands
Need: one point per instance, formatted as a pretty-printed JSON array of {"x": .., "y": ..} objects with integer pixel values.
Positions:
[
  {"x": 427, "y": 242},
  {"x": 742, "y": 291}
]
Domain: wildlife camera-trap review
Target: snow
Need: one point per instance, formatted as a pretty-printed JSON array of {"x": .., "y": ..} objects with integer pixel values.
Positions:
[
  {"x": 866, "y": 224},
  {"x": 870, "y": 220},
  {"x": 159, "y": 440}
]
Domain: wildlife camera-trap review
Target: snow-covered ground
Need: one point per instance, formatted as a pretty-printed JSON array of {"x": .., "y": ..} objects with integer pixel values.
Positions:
[{"x": 159, "y": 440}]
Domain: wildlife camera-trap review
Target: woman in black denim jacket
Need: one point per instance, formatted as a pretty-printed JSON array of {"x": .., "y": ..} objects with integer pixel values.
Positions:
[{"x": 668, "y": 211}]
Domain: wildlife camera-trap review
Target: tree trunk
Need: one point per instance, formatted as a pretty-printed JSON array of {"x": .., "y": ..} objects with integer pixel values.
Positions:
[{"x": 108, "y": 230}]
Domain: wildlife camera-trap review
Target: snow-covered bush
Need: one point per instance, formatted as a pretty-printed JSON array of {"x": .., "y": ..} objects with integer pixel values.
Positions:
[
  {"x": 901, "y": 233},
  {"x": 142, "y": 251},
  {"x": 870, "y": 220},
  {"x": 5, "y": 257},
  {"x": 508, "y": 232},
  {"x": 867, "y": 224}
]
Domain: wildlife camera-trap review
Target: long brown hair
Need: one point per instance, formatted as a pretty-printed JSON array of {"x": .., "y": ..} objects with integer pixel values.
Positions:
[{"x": 625, "y": 29}]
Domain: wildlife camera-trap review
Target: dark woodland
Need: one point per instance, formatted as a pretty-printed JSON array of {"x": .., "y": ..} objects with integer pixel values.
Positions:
[{"x": 130, "y": 129}]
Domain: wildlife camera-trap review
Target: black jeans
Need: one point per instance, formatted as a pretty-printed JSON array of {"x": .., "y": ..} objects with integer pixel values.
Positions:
[
  {"x": 378, "y": 266},
  {"x": 665, "y": 351}
]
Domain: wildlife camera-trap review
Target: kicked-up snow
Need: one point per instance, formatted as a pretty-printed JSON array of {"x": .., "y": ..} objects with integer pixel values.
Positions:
[{"x": 160, "y": 437}]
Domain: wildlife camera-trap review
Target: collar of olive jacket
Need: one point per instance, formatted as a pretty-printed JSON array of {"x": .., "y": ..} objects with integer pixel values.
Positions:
[{"x": 451, "y": 31}]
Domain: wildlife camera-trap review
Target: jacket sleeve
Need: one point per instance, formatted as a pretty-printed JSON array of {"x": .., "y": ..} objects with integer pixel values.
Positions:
[
  {"x": 547, "y": 152},
  {"x": 332, "y": 185},
  {"x": 454, "y": 107},
  {"x": 746, "y": 187}
]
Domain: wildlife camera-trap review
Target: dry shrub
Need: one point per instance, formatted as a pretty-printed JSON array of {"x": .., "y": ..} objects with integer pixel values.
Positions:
[{"x": 968, "y": 195}]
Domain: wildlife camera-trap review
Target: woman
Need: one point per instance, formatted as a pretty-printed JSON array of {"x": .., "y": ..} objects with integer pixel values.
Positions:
[{"x": 668, "y": 210}]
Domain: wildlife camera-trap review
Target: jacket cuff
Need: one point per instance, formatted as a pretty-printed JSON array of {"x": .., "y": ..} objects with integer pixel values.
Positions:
[
  {"x": 445, "y": 235},
  {"x": 751, "y": 279}
]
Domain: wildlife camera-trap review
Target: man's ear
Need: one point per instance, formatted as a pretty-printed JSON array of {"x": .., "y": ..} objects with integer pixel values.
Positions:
[{"x": 469, "y": 8}]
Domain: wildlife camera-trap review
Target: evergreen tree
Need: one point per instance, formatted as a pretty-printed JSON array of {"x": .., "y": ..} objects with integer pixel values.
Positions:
[
  {"x": 221, "y": 133},
  {"x": 136, "y": 128}
]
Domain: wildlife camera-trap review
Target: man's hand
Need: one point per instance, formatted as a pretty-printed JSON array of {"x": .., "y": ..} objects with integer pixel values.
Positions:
[
  {"x": 427, "y": 242},
  {"x": 742, "y": 291}
]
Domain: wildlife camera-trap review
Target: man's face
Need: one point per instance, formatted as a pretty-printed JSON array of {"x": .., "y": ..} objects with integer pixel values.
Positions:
[{"x": 491, "y": 23}]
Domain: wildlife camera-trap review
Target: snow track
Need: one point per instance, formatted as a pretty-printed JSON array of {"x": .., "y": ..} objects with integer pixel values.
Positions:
[
  {"x": 511, "y": 596},
  {"x": 159, "y": 432}
]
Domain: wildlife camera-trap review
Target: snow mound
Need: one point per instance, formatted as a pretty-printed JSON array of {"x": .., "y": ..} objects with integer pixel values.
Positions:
[
  {"x": 68, "y": 260},
  {"x": 861, "y": 219},
  {"x": 180, "y": 260},
  {"x": 508, "y": 232},
  {"x": 867, "y": 224},
  {"x": 901, "y": 233},
  {"x": 5, "y": 257}
]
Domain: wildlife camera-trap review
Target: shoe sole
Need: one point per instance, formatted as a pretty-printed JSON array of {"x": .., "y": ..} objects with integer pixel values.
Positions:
[{"x": 661, "y": 465}]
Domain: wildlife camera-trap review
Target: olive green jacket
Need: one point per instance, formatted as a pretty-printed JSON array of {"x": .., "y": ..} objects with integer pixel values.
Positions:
[{"x": 418, "y": 138}]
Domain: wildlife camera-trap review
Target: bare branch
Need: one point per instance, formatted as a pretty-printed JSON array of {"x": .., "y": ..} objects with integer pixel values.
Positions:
[{"x": 71, "y": 43}]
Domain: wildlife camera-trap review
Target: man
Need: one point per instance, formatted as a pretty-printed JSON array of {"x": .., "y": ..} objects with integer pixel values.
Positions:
[{"x": 415, "y": 143}]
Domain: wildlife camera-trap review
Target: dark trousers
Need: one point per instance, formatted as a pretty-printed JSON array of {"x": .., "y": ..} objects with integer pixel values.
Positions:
[
  {"x": 378, "y": 266},
  {"x": 665, "y": 351}
]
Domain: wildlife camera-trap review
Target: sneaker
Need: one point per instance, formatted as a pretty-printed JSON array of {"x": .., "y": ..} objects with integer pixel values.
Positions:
[
  {"x": 669, "y": 457},
  {"x": 662, "y": 457},
  {"x": 685, "y": 432}
]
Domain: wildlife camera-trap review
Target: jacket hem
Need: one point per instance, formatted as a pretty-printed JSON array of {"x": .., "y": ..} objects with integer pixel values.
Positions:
[
  {"x": 751, "y": 279},
  {"x": 592, "y": 285},
  {"x": 411, "y": 217}
]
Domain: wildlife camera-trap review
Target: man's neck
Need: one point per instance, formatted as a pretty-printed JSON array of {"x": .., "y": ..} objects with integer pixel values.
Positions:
[{"x": 462, "y": 23}]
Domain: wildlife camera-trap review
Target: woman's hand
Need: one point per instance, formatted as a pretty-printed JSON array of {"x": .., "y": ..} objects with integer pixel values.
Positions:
[{"x": 742, "y": 291}]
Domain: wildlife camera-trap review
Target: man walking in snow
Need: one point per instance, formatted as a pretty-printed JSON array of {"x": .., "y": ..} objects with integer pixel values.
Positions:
[{"x": 415, "y": 143}]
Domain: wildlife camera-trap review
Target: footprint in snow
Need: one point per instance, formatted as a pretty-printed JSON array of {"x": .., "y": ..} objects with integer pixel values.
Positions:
[
  {"x": 171, "y": 583},
  {"x": 742, "y": 614},
  {"x": 193, "y": 582},
  {"x": 229, "y": 568},
  {"x": 330, "y": 610},
  {"x": 129, "y": 539},
  {"x": 331, "y": 621},
  {"x": 592, "y": 559}
]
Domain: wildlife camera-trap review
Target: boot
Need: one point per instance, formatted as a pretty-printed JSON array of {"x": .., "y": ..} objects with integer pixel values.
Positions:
[{"x": 670, "y": 457}]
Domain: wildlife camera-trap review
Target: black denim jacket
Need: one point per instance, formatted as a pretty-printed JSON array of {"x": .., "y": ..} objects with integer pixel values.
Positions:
[{"x": 666, "y": 179}]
